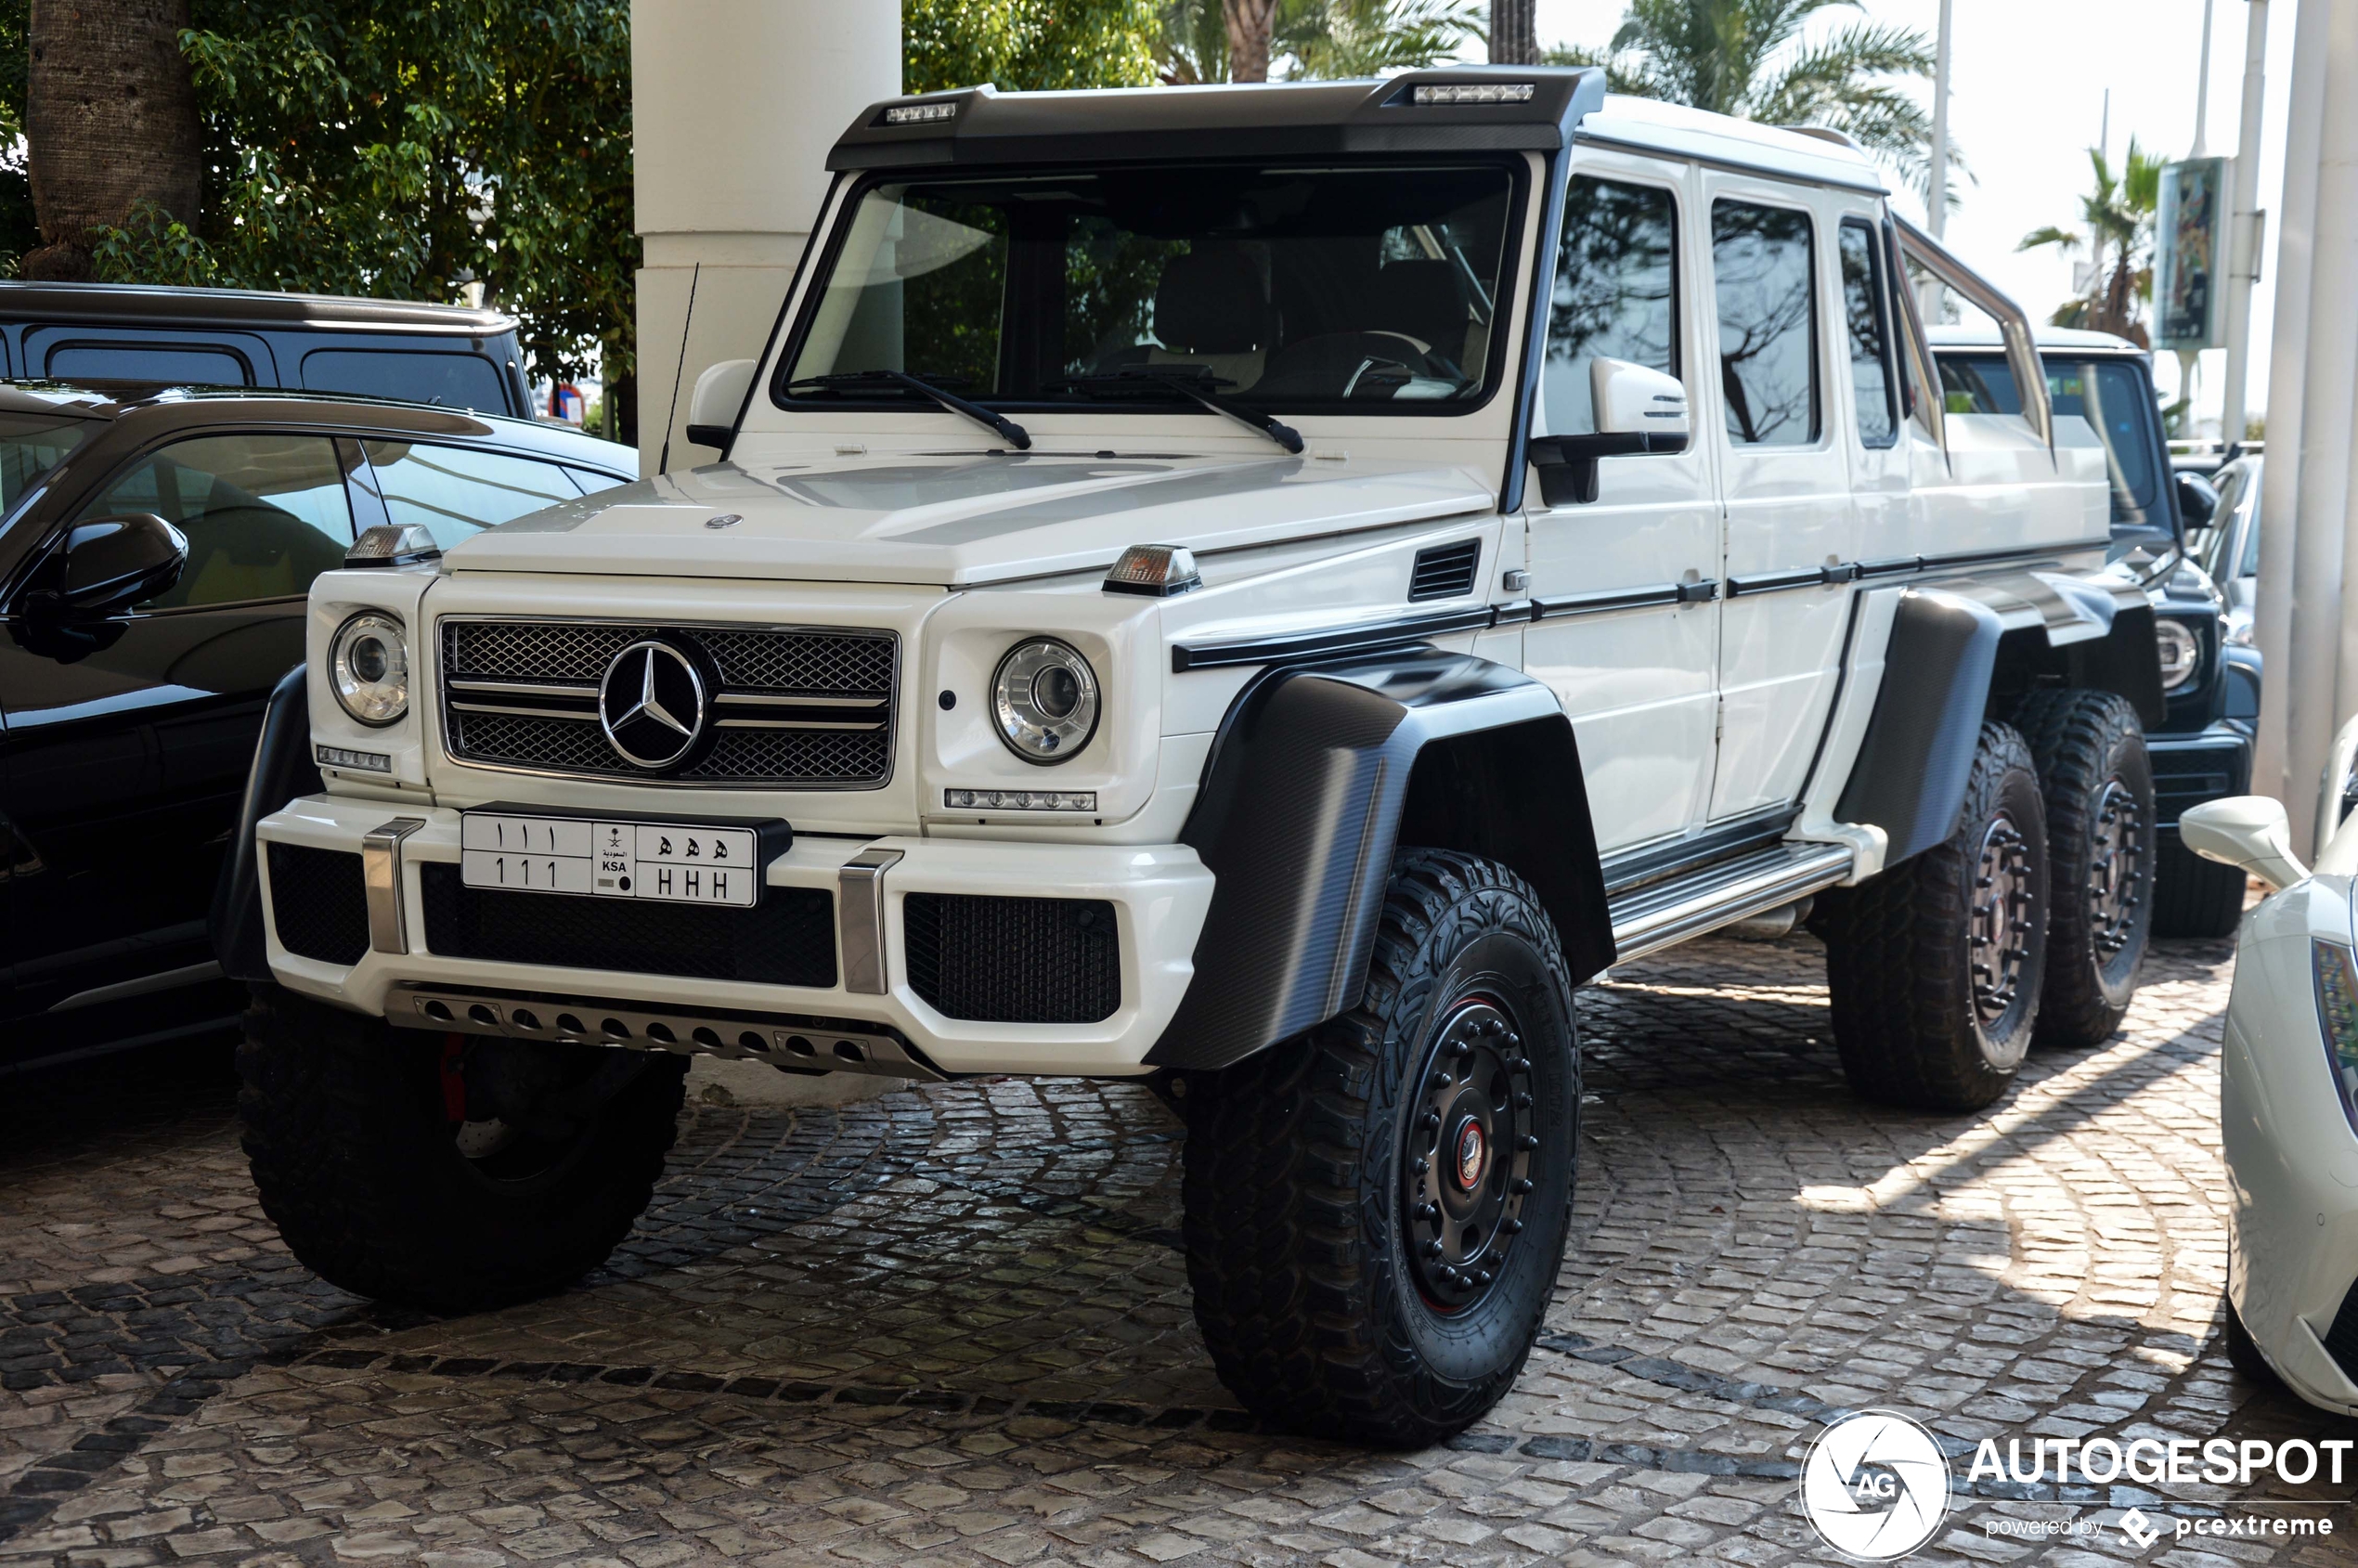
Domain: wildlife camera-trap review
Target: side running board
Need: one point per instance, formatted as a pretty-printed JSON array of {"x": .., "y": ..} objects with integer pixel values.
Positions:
[{"x": 1649, "y": 919}]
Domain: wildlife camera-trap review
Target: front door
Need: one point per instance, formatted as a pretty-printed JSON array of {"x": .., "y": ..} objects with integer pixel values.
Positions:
[
  {"x": 1791, "y": 524},
  {"x": 127, "y": 745},
  {"x": 1628, "y": 636}
]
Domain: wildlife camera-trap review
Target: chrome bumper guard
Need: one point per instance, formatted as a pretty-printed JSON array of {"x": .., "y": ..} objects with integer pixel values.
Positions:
[{"x": 803, "y": 1045}]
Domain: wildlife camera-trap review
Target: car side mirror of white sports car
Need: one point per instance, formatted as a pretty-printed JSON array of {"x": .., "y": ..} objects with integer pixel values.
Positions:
[{"x": 2250, "y": 831}]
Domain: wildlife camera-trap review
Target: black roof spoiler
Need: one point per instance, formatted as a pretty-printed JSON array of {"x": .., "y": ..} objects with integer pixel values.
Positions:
[{"x": 1534, "y": 110}]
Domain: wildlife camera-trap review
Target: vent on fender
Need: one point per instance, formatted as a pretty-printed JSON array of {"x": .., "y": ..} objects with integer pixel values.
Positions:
[{"x": 1445, "y": 571}]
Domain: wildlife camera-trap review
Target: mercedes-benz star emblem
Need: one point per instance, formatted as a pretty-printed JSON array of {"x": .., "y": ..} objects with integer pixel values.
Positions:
[{"x": 651, "y": 705}]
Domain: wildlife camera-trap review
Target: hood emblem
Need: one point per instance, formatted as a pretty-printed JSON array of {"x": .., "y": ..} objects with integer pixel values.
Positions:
[{"x": 651, "y": 705}]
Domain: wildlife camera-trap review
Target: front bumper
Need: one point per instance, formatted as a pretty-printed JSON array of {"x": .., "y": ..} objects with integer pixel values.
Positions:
[
  {"x": 2210, "y": 764},
  {"x": 1159, "y": 896}
]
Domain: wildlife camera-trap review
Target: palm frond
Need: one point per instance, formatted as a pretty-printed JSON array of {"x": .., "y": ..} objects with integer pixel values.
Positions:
[{"x": 2048, "y": 234}]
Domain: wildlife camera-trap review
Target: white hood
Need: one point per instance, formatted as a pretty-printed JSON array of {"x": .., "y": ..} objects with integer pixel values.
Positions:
[{"x": 960, "y": 519}]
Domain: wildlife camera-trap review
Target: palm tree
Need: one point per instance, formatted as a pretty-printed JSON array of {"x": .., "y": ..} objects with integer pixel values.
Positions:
[
  {"x": 1317, "y": 40},
  {"x": 2118, "y": 211},
  {"x": 1747, "y": 59},
  {"x": 111, "y": 124}
]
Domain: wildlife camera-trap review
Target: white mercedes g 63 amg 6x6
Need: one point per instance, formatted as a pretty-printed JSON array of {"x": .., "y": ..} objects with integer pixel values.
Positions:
[{"x": 1266, "y": 589}]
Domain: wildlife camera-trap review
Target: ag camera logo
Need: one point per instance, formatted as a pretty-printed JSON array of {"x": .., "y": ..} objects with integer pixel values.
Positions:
[{"x": 1875, "y": 1486}]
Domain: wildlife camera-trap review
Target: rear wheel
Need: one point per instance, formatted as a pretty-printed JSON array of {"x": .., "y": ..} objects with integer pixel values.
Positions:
[
  {"x": 2098, "y": 789},
  {"x": 1376, "y": 1211},
  {"x": 446, "y": 1171},
  {"x": 1935, "y": 967}
]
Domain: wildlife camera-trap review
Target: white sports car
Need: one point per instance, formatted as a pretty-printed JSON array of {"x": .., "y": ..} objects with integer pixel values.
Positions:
[{"x": 2288, "y": 1091}]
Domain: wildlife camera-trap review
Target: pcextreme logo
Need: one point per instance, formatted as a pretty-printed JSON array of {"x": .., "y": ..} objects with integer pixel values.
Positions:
[{"x": 1875, "y": 1486}]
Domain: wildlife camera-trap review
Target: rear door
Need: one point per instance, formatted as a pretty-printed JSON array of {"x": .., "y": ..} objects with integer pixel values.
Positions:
[
  {"x": 1785, "y": 478},
  {"x": 1627, "y": 634}
]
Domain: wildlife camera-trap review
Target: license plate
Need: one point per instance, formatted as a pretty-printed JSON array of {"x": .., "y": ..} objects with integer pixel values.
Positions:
[{"x": 672, "y": 863}]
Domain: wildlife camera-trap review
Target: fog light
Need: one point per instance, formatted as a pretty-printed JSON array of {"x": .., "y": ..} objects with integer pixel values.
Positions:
[
  {"x": 356, "y": 762},
  {"x": 1021, "y": 800}
]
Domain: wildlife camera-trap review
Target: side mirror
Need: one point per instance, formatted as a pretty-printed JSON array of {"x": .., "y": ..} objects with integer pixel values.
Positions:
[
  {"x": 2250, "y": 831},
  {"x": 721, "y": 392},
  {"x": 2198, "y": 502},
  {"x": 1637, "y": 410},
  {"x": 108, "y": 564}
]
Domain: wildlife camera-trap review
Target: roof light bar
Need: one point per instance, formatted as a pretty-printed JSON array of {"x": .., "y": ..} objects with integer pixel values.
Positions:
[
  {"x": 1021, "y": 800},
  {"x": 918, "y": 113},
  {"x": 1474, "y": 92}
]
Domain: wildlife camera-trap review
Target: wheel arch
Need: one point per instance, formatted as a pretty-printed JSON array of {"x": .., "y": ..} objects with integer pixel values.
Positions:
[
  {"x": 1319, "y": 774},
  {"x": 1953, "y": 661}
]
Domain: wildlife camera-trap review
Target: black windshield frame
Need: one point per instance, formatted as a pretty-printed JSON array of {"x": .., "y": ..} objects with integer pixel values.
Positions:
[{"x": 1505, "y": 347}]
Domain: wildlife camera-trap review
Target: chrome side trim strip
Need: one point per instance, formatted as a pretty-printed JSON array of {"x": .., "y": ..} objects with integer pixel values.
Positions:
[
  {"x": 1658, "y": 916},
  {"x": 168, "y": 979},
  {"x": 860, "y": 920},
  {"x": 381, "y": 877}
]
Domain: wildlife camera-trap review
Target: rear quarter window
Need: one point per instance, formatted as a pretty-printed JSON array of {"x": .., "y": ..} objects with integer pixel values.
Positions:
[
  {"x": 453, "y": 381},
  {"x": 184, "y": 364}
]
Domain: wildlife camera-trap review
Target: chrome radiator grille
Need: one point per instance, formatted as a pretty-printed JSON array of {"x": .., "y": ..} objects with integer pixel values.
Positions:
[{"x": 797, "y": 708}]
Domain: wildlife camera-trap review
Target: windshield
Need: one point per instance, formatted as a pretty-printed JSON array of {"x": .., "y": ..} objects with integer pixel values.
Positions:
[
  {"x": 1282, "y": 287},
  {"x": 30, "y": 445},
  {"x": 2111, "y": 394}
]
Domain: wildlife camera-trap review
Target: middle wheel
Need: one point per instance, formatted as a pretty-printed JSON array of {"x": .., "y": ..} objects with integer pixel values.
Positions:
[{"x": 1376, "y": 1211}]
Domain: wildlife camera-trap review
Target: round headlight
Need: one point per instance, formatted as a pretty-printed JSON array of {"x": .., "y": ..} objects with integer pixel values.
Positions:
[
  {"x": 2181, "y": 654},
  {"x": 1046, "y": 698},
  {"x": 368, "y": 667}
]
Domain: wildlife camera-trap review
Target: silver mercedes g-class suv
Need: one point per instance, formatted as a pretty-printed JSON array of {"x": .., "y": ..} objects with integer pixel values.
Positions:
[{"x": 1262, "y": 589}]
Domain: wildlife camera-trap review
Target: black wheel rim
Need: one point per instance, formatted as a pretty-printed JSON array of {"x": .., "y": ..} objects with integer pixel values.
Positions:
[
  {"x": 1998, "y": 936},
  {"x": 1466, "y": 1154},
  {"x": 2116, "y": 868}
]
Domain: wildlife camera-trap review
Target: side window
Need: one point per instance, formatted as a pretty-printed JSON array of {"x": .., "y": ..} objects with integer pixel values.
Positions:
[
  {"x": 263, "y": 514},
  {"x": 453, "y": 381},
  {"x": 1615, "y": 294},
  {"x": 454, "y": 491},
  {"x": 1866, "y": 310},
  {"x": 1760, "y": 260}
]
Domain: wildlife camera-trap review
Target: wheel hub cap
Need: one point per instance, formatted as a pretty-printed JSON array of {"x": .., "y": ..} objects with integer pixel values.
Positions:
[
  {"x": 2116, "y": 868},
  {"x": 1997, "y": 937},
  {"x": 1466, "y": 1154}
]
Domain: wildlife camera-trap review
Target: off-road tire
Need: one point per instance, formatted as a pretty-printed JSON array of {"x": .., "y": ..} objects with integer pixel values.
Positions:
[
  {"x": 2098, "y": 786},
  {"x": 1297, "y": 1226},
  {"x": 2194, "y": 897},
  {"x": 354, "y": 1154},
  {"x": 1906, "y": 1022}
]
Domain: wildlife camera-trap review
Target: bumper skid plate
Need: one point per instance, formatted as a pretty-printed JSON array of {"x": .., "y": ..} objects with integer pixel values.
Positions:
[{"x": 798, "y": 1045}]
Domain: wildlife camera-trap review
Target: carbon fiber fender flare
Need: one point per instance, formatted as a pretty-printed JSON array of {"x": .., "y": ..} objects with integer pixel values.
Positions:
[{"x": 1319, "y": 773}]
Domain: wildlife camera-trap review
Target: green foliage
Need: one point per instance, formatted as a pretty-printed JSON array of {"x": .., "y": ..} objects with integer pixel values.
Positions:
[
  {"x": 1749, "y": 59},
  {"x": 1027, "y": 44},
  {"x": 404, "y": 149},
  {"x": 1322, "y": 40},
  {"x": 2119, "y": 210},
  {"x": 19, "y": 231}
]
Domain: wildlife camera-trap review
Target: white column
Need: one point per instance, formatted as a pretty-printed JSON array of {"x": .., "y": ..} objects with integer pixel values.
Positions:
[
  {"x": 734, "y": 104},
  {"x": 2243, "y": 220},
  {"x": 2308, "y": 518}
]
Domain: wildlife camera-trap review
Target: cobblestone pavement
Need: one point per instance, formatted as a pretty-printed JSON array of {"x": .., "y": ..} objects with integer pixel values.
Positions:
[{"x": 950, "y": 1327}]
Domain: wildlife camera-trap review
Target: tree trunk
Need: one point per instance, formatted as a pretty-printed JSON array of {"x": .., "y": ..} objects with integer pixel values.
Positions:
[
  {"x": 1514, "y": 33},
  {"x": 1250, "y": 25},
  {"x": 111, "y": 120}
]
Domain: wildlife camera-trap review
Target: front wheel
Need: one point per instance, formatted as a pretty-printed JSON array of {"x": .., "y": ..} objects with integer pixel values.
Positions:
[
  {"x": 1376, "y": 1211},
  {"x": 1935, "y": 967},
  {"x": 446, "y": 1171}
]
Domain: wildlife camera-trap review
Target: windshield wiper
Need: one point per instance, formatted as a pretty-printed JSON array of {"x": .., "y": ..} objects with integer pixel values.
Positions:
[
  {"x": 1192, "y": 388},
  {"x": 1018, "y": 438}
]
